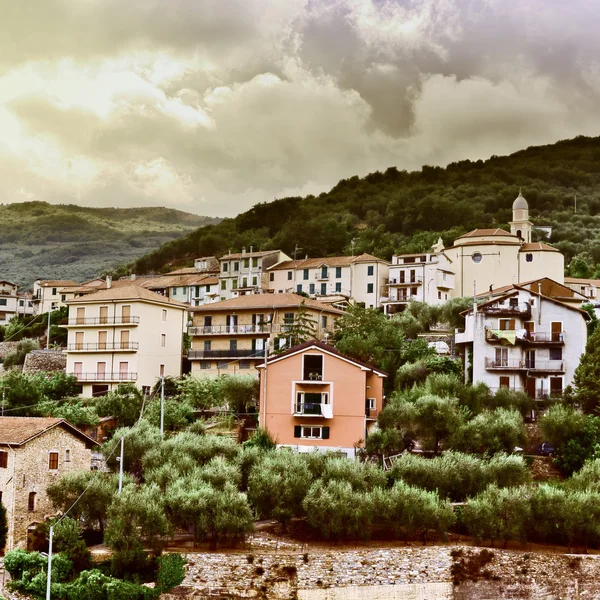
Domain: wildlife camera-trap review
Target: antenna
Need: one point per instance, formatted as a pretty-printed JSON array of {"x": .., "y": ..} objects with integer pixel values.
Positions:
[{"x": 296, "y": 250}]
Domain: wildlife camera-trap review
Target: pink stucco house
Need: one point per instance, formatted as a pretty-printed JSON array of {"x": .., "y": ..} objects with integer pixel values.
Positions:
[{"x": 313, "y": 396}]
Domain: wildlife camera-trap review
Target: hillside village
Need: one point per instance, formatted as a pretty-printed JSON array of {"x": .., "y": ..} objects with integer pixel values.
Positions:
[{"x": 339, "y": 397}]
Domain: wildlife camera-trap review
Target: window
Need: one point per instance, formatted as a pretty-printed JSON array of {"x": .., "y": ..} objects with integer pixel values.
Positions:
[
  {"x": 223, "y": 364},
  {"x": 244, "y": 364},
  {"x": 205, "y": 364},
  {"x": 164, "y": 315},
  {"x": 225, "y": 267},
  {"x": 413, "y": 291},
  {"x": 413, "y": 276},
  {"x": 529, "y": 257},
  {"x": 161, "y": 371},
  {"x": 244, "y": 282},
  {"x": 67, "y": 455},
  {"x": 501, "y": 357},
  {"x": 338, "y": 286},
  {"x": 371, "y": 403},
  {"x": 505, "y": 382},
  {"x": 146, "y": 389},
  {"x": 556, "y": 387},
  {"x": 309, "y": 403},
  {"x": 31, "y": 502},
  {"x": 163, "y": 339},
  {"x": 255, "y": 263},
  {"x": 223, "y": 284},
  {"x": 290, "y": 275},
  {"x": 305, "y": 274},
  {"x": 234, "y": 284},
  {"x": 439, "y": 295},
  {"x": 54, "y": 291},
  {"x": 311, "y": 288},
  {"x": 2, "y": 301},
  {"x": 324, "y": 273},
  {"x": 323, "y": 321},
  {"x": 2, "y": 316},
  {"x": 313, "y": 367},
  {"x": 556, "y": 354},
  {"x": 370, "y": 270},
  {"x": 323, "y": 289},
  {"x": 233, "y": 345},
  {"x": 311, "y": 433},
  {"x": 506, "y": 324},
  {"x": 21, "y": 303},
  {"x": 476, "y": 257},
  {"x": 175, "y": 291},
  {"x": 3, "y": 460},
  {"x": 53, "y": 460},
  {"x": 299, "y": 288},
  {"x": 63, "y": 297},
  {"x": 236, "y": 266},
  {"x": 272, "y": 277},
  {"x": 402, "y": 276},
  {"x": 288, "y": 319},
  {"x": 246, "y": 263}
]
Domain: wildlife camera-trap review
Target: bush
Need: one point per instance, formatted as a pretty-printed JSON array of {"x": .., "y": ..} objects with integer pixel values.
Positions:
[{"x": 171, "y": 572}]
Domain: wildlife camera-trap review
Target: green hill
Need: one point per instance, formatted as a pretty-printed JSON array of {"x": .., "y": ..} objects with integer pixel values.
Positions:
[
  {"x": 399, "y": 211},
  {"x": 47, "y": 241}
]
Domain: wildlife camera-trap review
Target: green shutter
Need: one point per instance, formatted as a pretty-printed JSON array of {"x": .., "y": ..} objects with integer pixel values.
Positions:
[
  {"x": 325, "y": 433},
  {"x": 297, "y": 431}
]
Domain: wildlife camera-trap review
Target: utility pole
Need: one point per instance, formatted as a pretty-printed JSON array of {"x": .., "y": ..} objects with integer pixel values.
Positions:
[
  {"x": 3, "y": 398},
  {"x": 575, "y": 203},
  {"x": 261, "y": 413},
  {"x": 49, "y": 563},
  {"x": 121, "y": 466},
  {"x": 296, "y": 250},
  {"x": 162, "y": 407},
  {"x": 48, "y": 336}
]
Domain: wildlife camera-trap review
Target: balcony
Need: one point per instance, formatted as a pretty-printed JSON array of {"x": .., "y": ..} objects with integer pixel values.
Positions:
[
  {"x": 104, "y": 347},
  {"x": 518, "y": 364},
  {"x": 104, "y": 377},
  {"x": 506, "y": 364},
  {"x": 371, "y": 413},
  {"x": 320, "y": 276},
  {"x": 308, "y": 409},
  {"x": 235, "y": 329},
  {"x": 545, "y": 366},
  {"x": 522, "y": 309},
  {"x": 200, "y": 354},
  {"x": 101, "y": 321},
  {"x": 399, "y": 282},
  {"x": 544, "y": 338}
]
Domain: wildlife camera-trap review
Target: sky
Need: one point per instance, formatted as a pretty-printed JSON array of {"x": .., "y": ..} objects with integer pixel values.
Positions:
[{"x": 210, "y": 106}]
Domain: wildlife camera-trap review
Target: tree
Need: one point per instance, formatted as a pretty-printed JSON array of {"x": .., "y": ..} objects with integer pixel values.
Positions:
[
  {"x": 240, "y": 392},
  {"x": 177, "y": 413},
  {"x": 436, "y": 419},
  {"x": 124, "y": 404},
  {"x": 3, "y": 527},
  {"x": 201, "y": 392},
  {"x": 587, "y": 376},
  {"x": 68, "y": 538}
]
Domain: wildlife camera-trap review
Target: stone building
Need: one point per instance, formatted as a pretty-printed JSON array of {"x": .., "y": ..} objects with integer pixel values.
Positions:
[{"x": 34, "y": 453}]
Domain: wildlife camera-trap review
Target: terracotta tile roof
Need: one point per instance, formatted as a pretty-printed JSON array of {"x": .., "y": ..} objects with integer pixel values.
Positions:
[
  {"x": 325, "y": 347},
  {"x": 248, "y": 254},
  {"x": 265, "y": 301},
  {"x": 179, "y": 280},
  {"x": 130, "y": 292},
  {"x": 487, "y": 232},
  {"x": 537, "y": 246},
  {"x": 575, "y": 280},
  {"x": 329, "y": 261},
  {"x": 17, "y": 431},
  {"x": 58, "y": 282}
]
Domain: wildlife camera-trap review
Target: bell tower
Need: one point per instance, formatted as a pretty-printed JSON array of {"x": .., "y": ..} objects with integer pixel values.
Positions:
[{"x": 520, "y": 225}]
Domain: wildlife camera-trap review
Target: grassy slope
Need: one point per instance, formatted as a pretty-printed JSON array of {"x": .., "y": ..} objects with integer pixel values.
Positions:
[
  {"x": 40, "y": 240},
  {"x": 396, "y": 211}
]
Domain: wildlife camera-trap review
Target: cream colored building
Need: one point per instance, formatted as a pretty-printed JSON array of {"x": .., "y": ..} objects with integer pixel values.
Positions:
[
  {"x": 360, "y": 278},
  {"x": 425, "y": 277},
  {"x": 524, "y": 341},
  {"x": 125, "y": 334},
  {"x": 34, "y": 453},
  {"x": 246, "y": 272},
  {"x": 585, "y": 287},
  {"x": 231, "y": 336},
  {"x": 50, "y": 294}
]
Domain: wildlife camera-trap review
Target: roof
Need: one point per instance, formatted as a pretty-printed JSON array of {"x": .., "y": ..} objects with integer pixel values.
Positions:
[
  {"x": 249, "y": 254},
  {"x": 520, "y": 202},
  {"x": 16, "y": 431},
  {"x": 130, "y": 292},
  {"x": 265, "y": 301},
  {"x": 180, "y": 280},
  {"x": 330, "y": 261},
  {"x": 487, "y": 233},
  {"x": 537, "y": 247},
  {"x": 326, "y": 348},
  {"x": 548, "y": 287},
  {"x": 575, "y": 280},
  {"x": 9, "y": 282},
  {"x": 57, "y": 283}
]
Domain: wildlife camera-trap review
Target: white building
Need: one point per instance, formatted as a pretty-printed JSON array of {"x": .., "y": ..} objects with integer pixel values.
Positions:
[
  {"x": 361, "y": 278},
  {"x": 125, "y": 334},
  {"x": 426, "y": 277},
  {"x": 586, "y": 287},
  {"x": 524, "y": 341},
  {"x": 50, "y": 294},
  {"x": 12, "y": 303}
]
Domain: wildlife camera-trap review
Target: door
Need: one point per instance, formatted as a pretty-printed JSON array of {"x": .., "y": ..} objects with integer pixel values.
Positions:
[
  {"x": 125, "y": 314},
  {"x": 231, "y": 321},
  {"x": 77, "y": 369},
  {"x": 101, "y": 370},
  {"x": 102, "y": 335},
  {"x": 124, "y": 340},
  {"x": 556, "y": 330},
  {"x": 530, "y": 384},
  {"x": 79, "y": 340},
  {"x": 80, "y": 315},
  {"x": 556, "y": 386},
  {"x": 103, "y": 315},
  {"x": 123, "y": 370},
  {"x": 502, "y": 357},
  {"x": 529, "y": 330},
  {"x": 323, "y": 289},
  {"x": 505, "y": 382},
  {"x": 530, "y": 359}
]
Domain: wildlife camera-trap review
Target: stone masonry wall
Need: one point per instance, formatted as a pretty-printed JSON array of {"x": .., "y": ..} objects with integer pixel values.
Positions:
[
  {"x": 6, "y": 347},
  {"x": 45, "y": 361}
]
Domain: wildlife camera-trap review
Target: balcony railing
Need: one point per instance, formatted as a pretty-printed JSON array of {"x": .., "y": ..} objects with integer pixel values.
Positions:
[
  {"x": 308, "y": 408},
  {"x": 321, "y": 276},
  {"x": 237, "y": 329},
  {"x": 507, "y": 363},
  {"x": 554, "y": 366},
  {"x": 103, "y": 347},
  {"x": 371, "y": 413},
  {"x": 523, "y": 309},
  {"x": 407, "y": 281},
  {"x": 103, "y": 321},
  {"x": 199, "y": 354},
  {"x": 539, "y": 337},
  {"x": 105, "y": 376},
  {"x": 516, "y": 364}
]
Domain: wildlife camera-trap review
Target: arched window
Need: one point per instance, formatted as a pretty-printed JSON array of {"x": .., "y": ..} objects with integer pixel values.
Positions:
[
  {"x": 519, "y": 234},
  {"x": 67, "y": 455}
]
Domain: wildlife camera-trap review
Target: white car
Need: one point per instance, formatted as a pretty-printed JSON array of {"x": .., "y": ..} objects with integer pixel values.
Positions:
[{"x": 440, "y": 347}]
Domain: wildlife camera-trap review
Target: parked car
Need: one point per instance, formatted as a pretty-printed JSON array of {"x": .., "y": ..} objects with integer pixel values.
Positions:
[{"x": 545, "y": 449}]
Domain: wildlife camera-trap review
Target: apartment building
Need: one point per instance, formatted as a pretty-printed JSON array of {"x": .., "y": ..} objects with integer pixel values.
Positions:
[
  {"x": 231, "y": 336},
  {"x": 524, "y": 341},
  {"x": 361, "y": 278},
  {"x": 34, "y": 453},
  {"x": 424, "y": 277},
  {"x": 585, "y": 287},
  {"x": 12, "y": 303},
  {"x": 125, "y": 334},
  {"x": 314, "y": 397},
  {"x": 245, "y": 272},
  {"x": 192, "y": 289},
  {"x": 50, "y": 294}
]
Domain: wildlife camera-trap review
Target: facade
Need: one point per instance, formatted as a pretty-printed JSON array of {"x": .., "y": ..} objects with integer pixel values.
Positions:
[
  {"x": 192, "y": 289},
  {"x": 34, "y": 453},
  {"x": 426, "y": 277},
  {"x": 125, "y": 334},
  {"x": 50, "y": 294},
  {"x": 524, "y": 341},
  {"x": 360, "y": 278},
  {"x": 585, "y": 287},
  {"x": 12, "y": 303},
  {"x": 232, "y": 336},
  {"x": 246, "y": 272},
  {"x": 312, "y": 396}
]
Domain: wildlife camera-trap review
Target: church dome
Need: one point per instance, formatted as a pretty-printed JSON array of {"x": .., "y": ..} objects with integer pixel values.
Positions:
[{"x": 520, "y": 203}]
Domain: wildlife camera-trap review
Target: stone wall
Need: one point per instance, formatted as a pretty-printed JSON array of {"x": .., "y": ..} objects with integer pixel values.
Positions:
[
  {"x": 6, "y": 347},
  {"x": 394, "y": 573},
  {"x": 46, "y": 361}
]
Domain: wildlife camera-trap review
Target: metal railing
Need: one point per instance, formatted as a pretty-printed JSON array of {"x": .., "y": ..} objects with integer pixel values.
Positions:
[
  {"x": 308, "y": 408},
  {"x": 525, "y": 364},
  {"x": 523, "y": 309},
  {"x": 104, "y": 321},
  {"x": 198, "y": 354},
  {"x": 102, "y": 346},
  {"x": 540, "y": 337},
  {"x": 506, "y": 363},
  {"x": 238, "y": 329},
  {"x": 106, "y": 376}
]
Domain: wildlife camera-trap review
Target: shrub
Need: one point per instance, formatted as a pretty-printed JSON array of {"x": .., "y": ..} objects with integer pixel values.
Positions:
[{"x": 171, "y": 572}]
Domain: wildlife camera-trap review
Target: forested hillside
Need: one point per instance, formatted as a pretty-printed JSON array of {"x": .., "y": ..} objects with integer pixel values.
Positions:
[
  {"x": 397, "y": 211},
  {"x": 41, "y": 240}
]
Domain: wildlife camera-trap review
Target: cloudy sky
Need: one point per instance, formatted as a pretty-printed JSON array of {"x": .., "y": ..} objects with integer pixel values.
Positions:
[{"x": 210, "y": 106}]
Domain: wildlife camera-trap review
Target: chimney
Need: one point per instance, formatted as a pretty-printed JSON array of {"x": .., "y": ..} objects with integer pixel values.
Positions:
[
  {"x": 132, "y": 277},
  {"x": 250, "y": 249},
  {"x": 243, "y": 250},
  {"x": 108, "y": 282}
]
